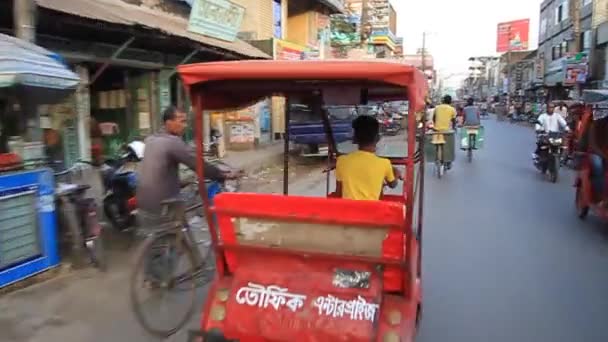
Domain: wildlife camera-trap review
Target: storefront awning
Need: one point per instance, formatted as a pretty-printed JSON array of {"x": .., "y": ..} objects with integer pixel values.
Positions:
[
  {"x": 121, "y": 13},
  {"x": 26, "y": 65}
]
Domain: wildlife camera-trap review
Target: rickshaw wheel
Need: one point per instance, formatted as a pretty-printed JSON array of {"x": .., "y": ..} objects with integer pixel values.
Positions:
[{"x": 582, "y": 211}]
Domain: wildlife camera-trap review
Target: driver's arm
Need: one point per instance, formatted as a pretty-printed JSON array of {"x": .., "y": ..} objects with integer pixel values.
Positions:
[
  {"x": 391, "y": 179},
  {"x": 187, "y": 155},
  {"x": 563, "y": 123},
  {"x": 540, "y": 123},
  {"x": 339, "y": 177}
]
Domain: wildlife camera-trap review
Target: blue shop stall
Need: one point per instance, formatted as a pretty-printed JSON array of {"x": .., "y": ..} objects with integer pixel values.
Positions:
[{"x": 30, "y": 76}]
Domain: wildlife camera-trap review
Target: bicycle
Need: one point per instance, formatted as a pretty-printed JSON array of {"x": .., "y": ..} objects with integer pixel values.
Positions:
[
  {"x": 79, "y": 213},
  {"x": 157, "y": 259},
  {"x": 472, "y": 132}
]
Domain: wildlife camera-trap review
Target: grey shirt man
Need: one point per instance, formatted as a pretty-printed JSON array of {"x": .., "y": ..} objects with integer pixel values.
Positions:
[
  {"x": 159, "y": 176},
  {"x": 471, "y": 116}
]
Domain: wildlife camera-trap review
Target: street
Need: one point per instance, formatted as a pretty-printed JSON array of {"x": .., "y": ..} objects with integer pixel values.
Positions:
[{"x": 505, "y": 259}]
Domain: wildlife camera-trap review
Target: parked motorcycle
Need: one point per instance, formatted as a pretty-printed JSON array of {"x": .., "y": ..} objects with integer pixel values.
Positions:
[
  {"x": 120, "y": 183},
  {"x": 548, "y": 158}
]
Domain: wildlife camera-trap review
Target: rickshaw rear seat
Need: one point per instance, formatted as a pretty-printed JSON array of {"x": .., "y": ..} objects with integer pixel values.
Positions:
[{"x": 362, "y": 229}]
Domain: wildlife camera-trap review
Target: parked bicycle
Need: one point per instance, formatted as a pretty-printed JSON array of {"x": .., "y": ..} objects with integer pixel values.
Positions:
[{"x": 79, "y": 216}]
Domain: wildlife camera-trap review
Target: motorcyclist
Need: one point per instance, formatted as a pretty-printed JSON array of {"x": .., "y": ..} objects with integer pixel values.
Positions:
[{"x": 549, "y": 122}]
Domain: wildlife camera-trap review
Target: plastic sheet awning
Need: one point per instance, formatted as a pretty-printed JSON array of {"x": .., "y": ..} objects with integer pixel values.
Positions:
[{"x": 28, "y": 66}]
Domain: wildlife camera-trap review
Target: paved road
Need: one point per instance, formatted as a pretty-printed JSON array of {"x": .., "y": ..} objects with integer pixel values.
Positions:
[{"x": 505, "y": 258}]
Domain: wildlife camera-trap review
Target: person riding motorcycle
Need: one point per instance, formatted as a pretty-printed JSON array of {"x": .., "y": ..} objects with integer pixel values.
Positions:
[{"x": 549, "y": 122}]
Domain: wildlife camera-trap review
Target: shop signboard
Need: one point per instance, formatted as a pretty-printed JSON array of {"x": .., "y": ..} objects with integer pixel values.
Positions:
[
  {"x": 219, "y": 19},
  {"x": 539, "y": 69},
  {"x": 378, "y": 14},
  {"x": 513, "y": 35},
  {"x": 345, "y": 30},
  {"x": 284, "y": 50},
  {"x": 576, "y": 73}
]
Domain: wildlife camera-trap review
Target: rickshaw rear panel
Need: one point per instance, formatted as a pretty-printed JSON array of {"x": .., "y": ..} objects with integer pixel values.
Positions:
[{"x": 303, "y": 304}]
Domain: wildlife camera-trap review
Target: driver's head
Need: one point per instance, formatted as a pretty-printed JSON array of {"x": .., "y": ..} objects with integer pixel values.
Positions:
[
  {"x": 470, "y": 101},
  {"x": 366, "y": 131},
  {"x": 550, "y": 108},
  {"x": 175, "y": 121},
  {"x": 447, "y": 99}
]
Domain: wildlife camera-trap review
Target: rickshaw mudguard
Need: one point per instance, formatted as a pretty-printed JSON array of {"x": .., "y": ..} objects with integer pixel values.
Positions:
[{"x": 302, "y": 296}]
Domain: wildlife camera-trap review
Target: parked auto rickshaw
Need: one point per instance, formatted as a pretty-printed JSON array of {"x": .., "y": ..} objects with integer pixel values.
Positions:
[
  {"x": 293, "y": 268},
  {"x": 594, "y": 118}
]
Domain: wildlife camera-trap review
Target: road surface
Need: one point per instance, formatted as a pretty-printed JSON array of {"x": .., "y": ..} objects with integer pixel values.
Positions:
[{"x": 505, "y": 259}]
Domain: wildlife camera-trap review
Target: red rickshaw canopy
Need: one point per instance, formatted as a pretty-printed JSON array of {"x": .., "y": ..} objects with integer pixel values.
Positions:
[{"x": 377, "y": 72}]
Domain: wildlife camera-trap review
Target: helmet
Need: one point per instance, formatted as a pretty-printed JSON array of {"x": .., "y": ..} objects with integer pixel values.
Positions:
[{"x": 138, "y": 148}]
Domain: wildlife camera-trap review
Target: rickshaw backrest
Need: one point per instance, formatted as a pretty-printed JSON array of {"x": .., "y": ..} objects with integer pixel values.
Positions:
[{"x": 365, "y": 229}]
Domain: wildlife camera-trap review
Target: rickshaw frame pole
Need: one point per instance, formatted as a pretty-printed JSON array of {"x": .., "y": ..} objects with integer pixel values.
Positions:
[
  {"x": 286, "y": 147},
  {"x": 408, "y": 192},
  {"x": 200, "y": 171}
]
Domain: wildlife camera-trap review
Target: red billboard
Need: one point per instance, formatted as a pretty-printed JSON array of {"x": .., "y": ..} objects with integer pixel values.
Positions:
[{"x": 514, "y": 34}]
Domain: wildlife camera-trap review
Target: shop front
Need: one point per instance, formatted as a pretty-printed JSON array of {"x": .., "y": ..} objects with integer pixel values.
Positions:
[{"x": 32, "y": 77}]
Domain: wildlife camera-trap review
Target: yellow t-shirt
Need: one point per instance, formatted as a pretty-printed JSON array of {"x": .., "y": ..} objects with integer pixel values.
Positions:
[
  {"x": 363, "y": 174},
  {"x": 444, "y": 114}
]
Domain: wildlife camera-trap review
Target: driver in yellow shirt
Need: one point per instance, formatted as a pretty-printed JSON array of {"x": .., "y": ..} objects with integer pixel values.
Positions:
[{"x": 361, "y": 175}]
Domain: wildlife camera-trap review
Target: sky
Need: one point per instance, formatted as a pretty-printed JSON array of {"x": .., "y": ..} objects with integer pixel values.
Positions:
[{"x": 459, "y": 29}]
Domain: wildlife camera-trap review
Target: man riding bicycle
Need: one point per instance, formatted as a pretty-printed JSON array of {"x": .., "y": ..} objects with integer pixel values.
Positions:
[
  {"x": 159, "y": 176},
  {"x": 471, "y": 117},
  {"x": 444, "y": 119}
]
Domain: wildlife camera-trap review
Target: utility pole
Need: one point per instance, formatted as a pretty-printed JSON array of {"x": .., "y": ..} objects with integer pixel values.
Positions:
[
  {"x": 24, "y": 15},
  {"x": 509, "y": 69},
  {"x": 423, "y": 53}
]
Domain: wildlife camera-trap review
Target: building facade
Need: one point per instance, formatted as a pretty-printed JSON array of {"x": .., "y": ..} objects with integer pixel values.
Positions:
[
  {"x": 565, "y": 44},
  {"x": 125, "y": 53}
]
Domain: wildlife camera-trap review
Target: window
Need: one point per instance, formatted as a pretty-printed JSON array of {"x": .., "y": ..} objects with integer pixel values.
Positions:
[
  {"x": 543, "y": 28},
  {"x": 277, "y": 14},
  {"x": 586, "y": 40},
  {"x": 587, "y": 2},
  {"x": 562, "y": 12},
  {"x": 564, "y": 49},
  {"x": 555, "y": 51}
]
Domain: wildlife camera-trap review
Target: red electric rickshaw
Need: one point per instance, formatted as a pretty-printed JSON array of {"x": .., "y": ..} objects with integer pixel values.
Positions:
[
  {"x": 293, "y": 268},
  {"x": 587, "y": 198}
]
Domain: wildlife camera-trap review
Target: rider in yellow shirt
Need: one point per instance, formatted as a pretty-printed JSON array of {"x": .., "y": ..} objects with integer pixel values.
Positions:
[
  {"x": 361, "y": 174},
  {"x": 444, "y": 119},
  {"x": 445, "y": 115}
]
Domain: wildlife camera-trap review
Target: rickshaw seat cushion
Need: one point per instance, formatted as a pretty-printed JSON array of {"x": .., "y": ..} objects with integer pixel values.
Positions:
[{"x": 372, "y": 229}]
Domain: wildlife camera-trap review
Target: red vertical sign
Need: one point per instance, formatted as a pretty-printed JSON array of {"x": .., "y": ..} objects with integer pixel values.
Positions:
[{"x": 515, "y": 33}]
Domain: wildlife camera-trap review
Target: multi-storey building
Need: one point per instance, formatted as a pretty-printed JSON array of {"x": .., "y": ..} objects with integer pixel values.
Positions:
[{"x": 565, "y": 44}]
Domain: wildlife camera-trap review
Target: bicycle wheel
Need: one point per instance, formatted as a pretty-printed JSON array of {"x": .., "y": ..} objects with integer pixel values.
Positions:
[{"x": 170, "y": 286}]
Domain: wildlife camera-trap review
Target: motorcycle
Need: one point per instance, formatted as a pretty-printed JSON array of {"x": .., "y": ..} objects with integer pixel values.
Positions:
[
  {"x": 120, "y": 183},
  {"x": 548, "y": 158}
]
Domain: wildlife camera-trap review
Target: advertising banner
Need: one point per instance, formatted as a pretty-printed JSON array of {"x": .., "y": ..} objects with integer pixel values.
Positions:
[
  {"x": 219, "y": 19},
  {"x": 284, "y": 50},
  {"x": 513, "y": 34}
]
